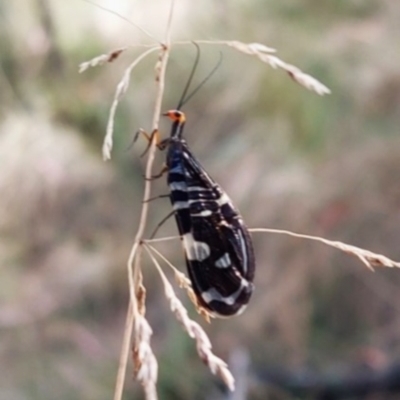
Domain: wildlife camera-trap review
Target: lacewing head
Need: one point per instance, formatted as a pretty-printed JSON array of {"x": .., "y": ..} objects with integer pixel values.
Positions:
[{"x": 176, "y": 116}]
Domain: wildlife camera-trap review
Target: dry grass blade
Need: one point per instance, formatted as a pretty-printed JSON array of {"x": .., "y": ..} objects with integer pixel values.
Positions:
[
  {"x": 145, "y": 363},
  {"x": 295, "y": 73},
  {"x": 134, "y": 256},
  {"x": 264, "y": 54},
  {"x": 369, "y": 258},
  {"x": 123, "y": 360},
  {"x": 180, "y": 277},
  {"x": 120, "y": 91},
  {"x": 204, "y": 348},
  {"x": 102, "y": 59},
  {"x": 184, "y": 283},
  {"x": 250, "y": 48},
  {"x": 164, "y": 239}
]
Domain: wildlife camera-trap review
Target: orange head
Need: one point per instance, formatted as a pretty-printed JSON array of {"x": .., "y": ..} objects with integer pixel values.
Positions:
[{"x": 176, "y": 116}]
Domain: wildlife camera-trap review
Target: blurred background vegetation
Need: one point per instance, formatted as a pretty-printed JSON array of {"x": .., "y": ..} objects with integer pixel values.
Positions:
[{"x": 288, "y": 158}]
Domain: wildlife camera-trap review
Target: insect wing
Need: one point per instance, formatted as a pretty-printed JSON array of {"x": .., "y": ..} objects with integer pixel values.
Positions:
[
  {"x": 217, "y": 279},
  {"x": 218, "y": 247}
]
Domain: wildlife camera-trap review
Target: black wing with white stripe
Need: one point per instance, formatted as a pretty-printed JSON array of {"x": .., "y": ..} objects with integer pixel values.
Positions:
[{"x": 218, "y": 248}]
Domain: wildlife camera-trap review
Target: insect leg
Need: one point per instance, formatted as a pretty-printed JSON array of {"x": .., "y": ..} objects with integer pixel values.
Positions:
[
  {"x": 135, "y": 138},
  {"x": 161, "y": 223},
  {"x": 161, "y": 196},
  {"x": 155, "y": 134},
  {"x": 164, "y": 169},
  {"x": 141, "y": 132}
]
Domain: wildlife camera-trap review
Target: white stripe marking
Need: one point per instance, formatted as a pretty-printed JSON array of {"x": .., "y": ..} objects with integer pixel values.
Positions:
[
  {"x": 195, "y": 201},
  {"x": 224, "y": 199},
  {"x": 202, "y": 201},
  {"x": 213, "y": 295},
  {"x": 182, "y": 186},
  {"x": 198, "y": 188},
  {"x": 244, "y": 252},
  {"x": 223, "y": 262},
  {"x": 178, "y": 169},
  {"x": 204, "y": 213},
  {"x": 179, "y": 205},
  {"x": 195, "y": 251}
]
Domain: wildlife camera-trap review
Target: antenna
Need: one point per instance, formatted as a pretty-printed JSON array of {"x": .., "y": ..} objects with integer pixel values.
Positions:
[
  {"x": 196, "y": 63},
  {"x": 184, "y": 99}
]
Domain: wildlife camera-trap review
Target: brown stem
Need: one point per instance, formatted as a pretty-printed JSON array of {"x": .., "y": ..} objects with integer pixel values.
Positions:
[{"x": 136, "y": 248}]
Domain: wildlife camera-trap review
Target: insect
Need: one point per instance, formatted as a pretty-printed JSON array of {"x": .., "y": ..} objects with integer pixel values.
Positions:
[
  {"x": 218, "y": 248},
  {"x": 217, "y": 245}
]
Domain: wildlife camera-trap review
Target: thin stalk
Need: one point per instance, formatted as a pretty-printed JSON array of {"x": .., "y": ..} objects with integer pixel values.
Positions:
[{"x": 135, "y": 254}]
